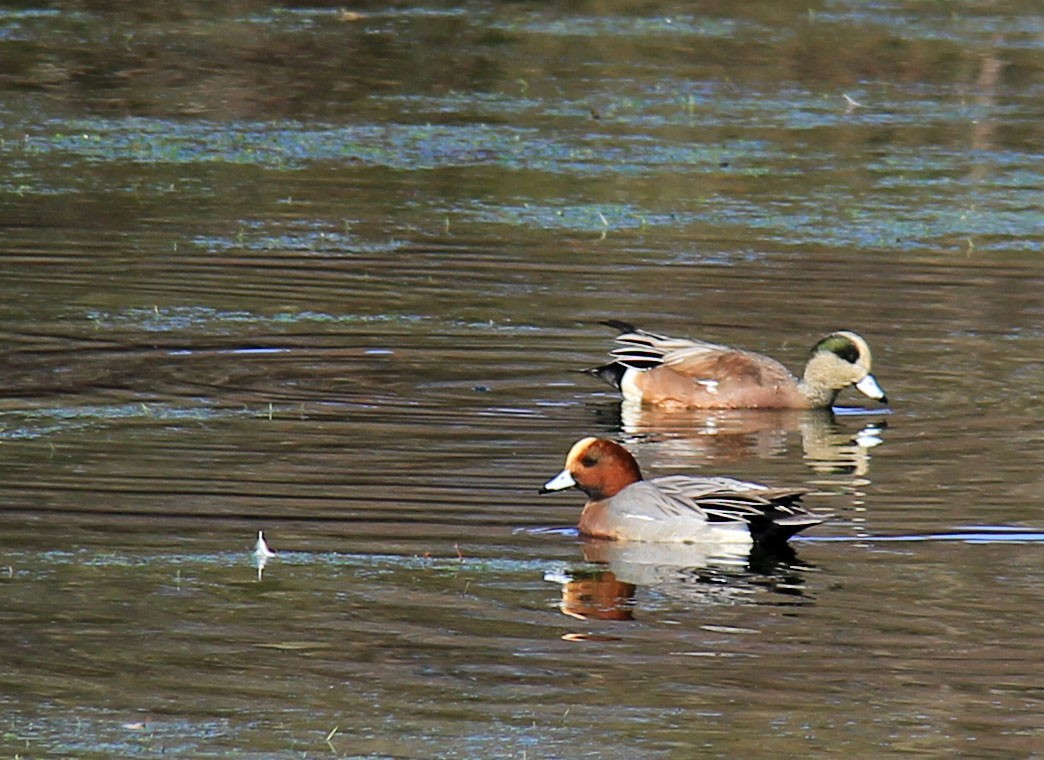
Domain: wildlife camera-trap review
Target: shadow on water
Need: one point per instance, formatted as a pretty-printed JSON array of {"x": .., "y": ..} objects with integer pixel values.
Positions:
[
  {"x": 829, "y": 441},
  {"x": 691, "y": 574},
  {"x": 607, "y": 586}
]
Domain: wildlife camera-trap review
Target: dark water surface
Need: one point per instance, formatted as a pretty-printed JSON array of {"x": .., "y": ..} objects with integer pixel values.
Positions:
[{"x": 329, "y": 274}]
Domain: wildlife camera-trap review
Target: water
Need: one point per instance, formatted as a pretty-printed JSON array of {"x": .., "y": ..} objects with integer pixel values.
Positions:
[{"x": 331, "y": 277}]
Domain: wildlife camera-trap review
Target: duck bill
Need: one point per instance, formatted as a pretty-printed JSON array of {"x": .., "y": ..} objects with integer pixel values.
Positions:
[
  {"x": 868, "y": 387},
  {"x": 559, "y": 482}
]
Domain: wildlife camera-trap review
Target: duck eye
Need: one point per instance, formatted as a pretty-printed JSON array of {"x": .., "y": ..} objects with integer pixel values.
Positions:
[
  {"x": 840, "y": 346},
  {"x": 589, "y": 461}
]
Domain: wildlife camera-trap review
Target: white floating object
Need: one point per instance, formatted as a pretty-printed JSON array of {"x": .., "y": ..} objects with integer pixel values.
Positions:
[{"x": 262, "y": 552}]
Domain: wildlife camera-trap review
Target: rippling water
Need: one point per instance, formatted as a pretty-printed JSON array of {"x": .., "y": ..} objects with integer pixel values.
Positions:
[{"x": 330, "y": 274}]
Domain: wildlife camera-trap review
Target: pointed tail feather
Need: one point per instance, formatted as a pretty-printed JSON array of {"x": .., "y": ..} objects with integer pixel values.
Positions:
[
  {"x": 771, "y": 533},
  {"x": 623, "y": 327}
]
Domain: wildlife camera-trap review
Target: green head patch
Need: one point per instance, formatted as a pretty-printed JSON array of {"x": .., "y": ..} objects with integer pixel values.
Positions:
[{"x": 840, "y": 346}]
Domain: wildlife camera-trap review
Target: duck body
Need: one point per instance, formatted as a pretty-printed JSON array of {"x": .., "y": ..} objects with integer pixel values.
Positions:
[
  {"x": 659, "y": 370},
  {"x": 675, "y": 508}
]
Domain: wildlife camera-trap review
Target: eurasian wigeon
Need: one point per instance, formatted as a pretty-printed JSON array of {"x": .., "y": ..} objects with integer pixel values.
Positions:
[
  {"x": 677, "y": 508},
  {"x": 676, "y": 372}
]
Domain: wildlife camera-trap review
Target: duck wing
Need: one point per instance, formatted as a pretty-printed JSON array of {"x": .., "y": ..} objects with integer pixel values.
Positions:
[
  {"x": 721, "y": 366},
  {"x": 642, "y": 349},
  {"x": 772, "y": 514}
]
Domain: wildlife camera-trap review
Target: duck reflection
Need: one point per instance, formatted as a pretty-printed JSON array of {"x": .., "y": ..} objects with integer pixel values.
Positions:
[
  {"x": 833, "y": 442},
  {"x": 606, "y": 587}
]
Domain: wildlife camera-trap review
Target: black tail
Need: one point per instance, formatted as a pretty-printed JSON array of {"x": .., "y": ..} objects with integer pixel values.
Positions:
[
  {"x": 619, "y": 324},
  {"x": 611, "y": 373},
  {"x": 773, "y": 534}
]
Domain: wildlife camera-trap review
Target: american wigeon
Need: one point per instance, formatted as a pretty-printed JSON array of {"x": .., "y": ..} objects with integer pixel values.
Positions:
[
  {"x": 676, "y": 508},
  {"x": 663, "y": 371}
]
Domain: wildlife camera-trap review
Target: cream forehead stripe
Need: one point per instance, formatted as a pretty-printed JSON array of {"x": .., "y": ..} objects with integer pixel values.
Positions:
[{"x": 577, "y": 451}]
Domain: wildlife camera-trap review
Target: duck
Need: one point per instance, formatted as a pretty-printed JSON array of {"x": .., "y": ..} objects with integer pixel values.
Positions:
[
  {"x": 623, "y": 506},
  {"x": 658, "y": 370}
]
